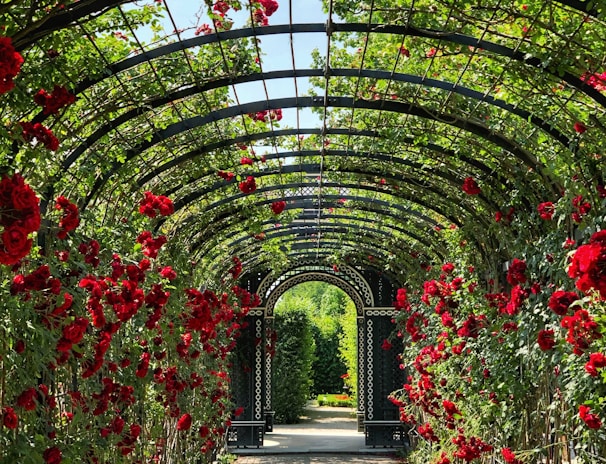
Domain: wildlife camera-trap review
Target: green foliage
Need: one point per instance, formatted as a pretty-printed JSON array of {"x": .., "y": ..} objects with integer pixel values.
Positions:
[
  {"x": 326, "y": 306},
  {"x": 328, "y": 367},
  {"x": 292, "y": 364},
  {"x": 348, "y": 346}
]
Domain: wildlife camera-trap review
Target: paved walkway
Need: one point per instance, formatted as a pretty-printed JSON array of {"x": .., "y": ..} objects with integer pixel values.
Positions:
[{"x": 324, "y": 436}]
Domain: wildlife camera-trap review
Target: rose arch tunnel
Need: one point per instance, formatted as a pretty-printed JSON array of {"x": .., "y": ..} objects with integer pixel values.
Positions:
[{"x": 264, "y": 143}]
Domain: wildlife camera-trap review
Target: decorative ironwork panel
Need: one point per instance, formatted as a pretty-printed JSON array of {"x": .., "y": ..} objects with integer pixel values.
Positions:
[
  {"x": 269, "y": 347},
  {"x": 361, "y": 374},
  {"x": 248, "y": 386},
  {"x": 383, "y": 375},
  {"x": 246, "y": 433},
  {"x": 345, "y": 273},
  {"x": 383, "y": 289},
  {"x": 242, "y": 371},
  {"x": 313, "y": 277},
  {"x": 386, "y": 375}
]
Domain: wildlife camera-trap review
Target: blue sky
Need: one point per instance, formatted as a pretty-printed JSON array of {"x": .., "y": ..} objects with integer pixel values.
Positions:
[{"x": 276, "y": 49}]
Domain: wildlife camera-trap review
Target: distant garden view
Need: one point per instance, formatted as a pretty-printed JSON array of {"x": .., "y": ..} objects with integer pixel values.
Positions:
[{"x": 315, "y": 356}]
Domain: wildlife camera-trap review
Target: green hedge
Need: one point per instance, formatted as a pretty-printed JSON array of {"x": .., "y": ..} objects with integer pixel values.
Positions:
[{"x": 292, "y": 364}]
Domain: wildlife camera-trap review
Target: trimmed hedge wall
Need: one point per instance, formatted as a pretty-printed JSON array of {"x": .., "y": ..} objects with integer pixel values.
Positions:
[{"x": 292, "y": 364}]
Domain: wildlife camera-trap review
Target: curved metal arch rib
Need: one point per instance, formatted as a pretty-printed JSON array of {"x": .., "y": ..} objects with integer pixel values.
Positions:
[
  {"x": 303, "y": 204},
  {"x": 327, "y": 152},
  {"x": 321, "y": 257},
  {"x": 390, "y": 159},
  {"x": 298, "y": 231},
  {"x": 378, "y": 252},
  {"x": 335, "y": 198},
  {"x": 337, "y": 72},
  {"x": 363, "y": 28},
  {"x": 353, "y": 221},
  {"x": 305, "y": 102},
  {"x": 312, "y": 168}
]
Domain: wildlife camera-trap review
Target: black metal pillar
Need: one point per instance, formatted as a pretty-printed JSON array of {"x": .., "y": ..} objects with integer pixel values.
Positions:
[
  {"x": 248, "y": 386},
  {"x": 382, "y": 425}
]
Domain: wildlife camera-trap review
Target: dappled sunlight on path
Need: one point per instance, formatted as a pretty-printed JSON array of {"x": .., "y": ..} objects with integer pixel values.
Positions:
[{"x": 324, "y": 435}]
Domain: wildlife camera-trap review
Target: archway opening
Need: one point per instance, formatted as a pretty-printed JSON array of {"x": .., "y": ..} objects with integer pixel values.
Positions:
[
  {"x": 315, "y": 329},
  {"x": 315, "y": 370}
]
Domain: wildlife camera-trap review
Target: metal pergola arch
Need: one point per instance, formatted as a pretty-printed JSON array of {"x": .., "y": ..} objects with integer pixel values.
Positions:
[
  {"x": 464, "y": 123},
  {"x": 396, "y": 107},
  {"x": 198, "y": 244}
]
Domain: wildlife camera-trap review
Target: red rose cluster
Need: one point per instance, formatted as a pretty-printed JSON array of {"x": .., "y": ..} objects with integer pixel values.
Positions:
[
  {"x": 546, "y": 210},
  {"x": 592, "y": 421},
  {"x": 236, "y": 270},
  {"x": 546, "y": 339},
  {"x": 278, "y": 206},
  {"x": 589, "y": 265},
  {"x": 470, "y": 449},
  {"x": 516, "y": 274},
  {"x": 19, "y": 216},
  {"x": 9, "y": 418},
  {"x": 581, "y": 208},
  {"x": 402, "y": 303},
  {"x": 582, "y": 330},
  {"x": 152, "y": 205},
  {"x": 595, "y": 80},
  {"x": 267, "y": 115},
  {"x": 596, "y": 361},
  {"x": 510, "y": 457},
  {"x": 270, "y": 6},
  {"x": 52, "y": 102},
  {"x": 43, "y": 135},
  {"x": 470, "y": 186},
  {"x": 150, "y": 245},
  {"x": 248, "y": 186},
  {"x": 260, "y": 15},
  {"x": 10, "y": 64},
  {"x": 71, "y": 216},
  {"x": 226, "y": 175}
]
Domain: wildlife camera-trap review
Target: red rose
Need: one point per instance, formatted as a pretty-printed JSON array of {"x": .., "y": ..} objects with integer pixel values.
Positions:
[
  {"x": 596, "y": 361},
  {"x": 248, "y": 186},
  {"x": 546, "y": 340},
  {"x": 278, "y": 206},
  {"x": 516, "y": 272},
  {"x": 546, "y": 210},
  {"x": 26, "y": 400},
  {"x": 560, "y": 301},
  {"x": 52, "y": 455},
  {"x": 592, "y": 421},
  {"x": 9, "y": 418},
  {"x": 76, "y": 330},
  {"x": 15, "y": 240},
  {"x": 10, "y": 64},
  {"x": 168, "y": 273},
  {"x": 184, "y": 422},
  {"x": 579, "y": 127},
  {"x": 270, "y": 6},
  {"x": 470, "y": 187},
  {"x": 509, "y": 456},
  {"x": 23, "y": 196}
]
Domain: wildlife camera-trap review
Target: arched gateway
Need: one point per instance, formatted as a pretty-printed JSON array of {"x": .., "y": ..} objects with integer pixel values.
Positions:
[{"x": 379, "y": 371}]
